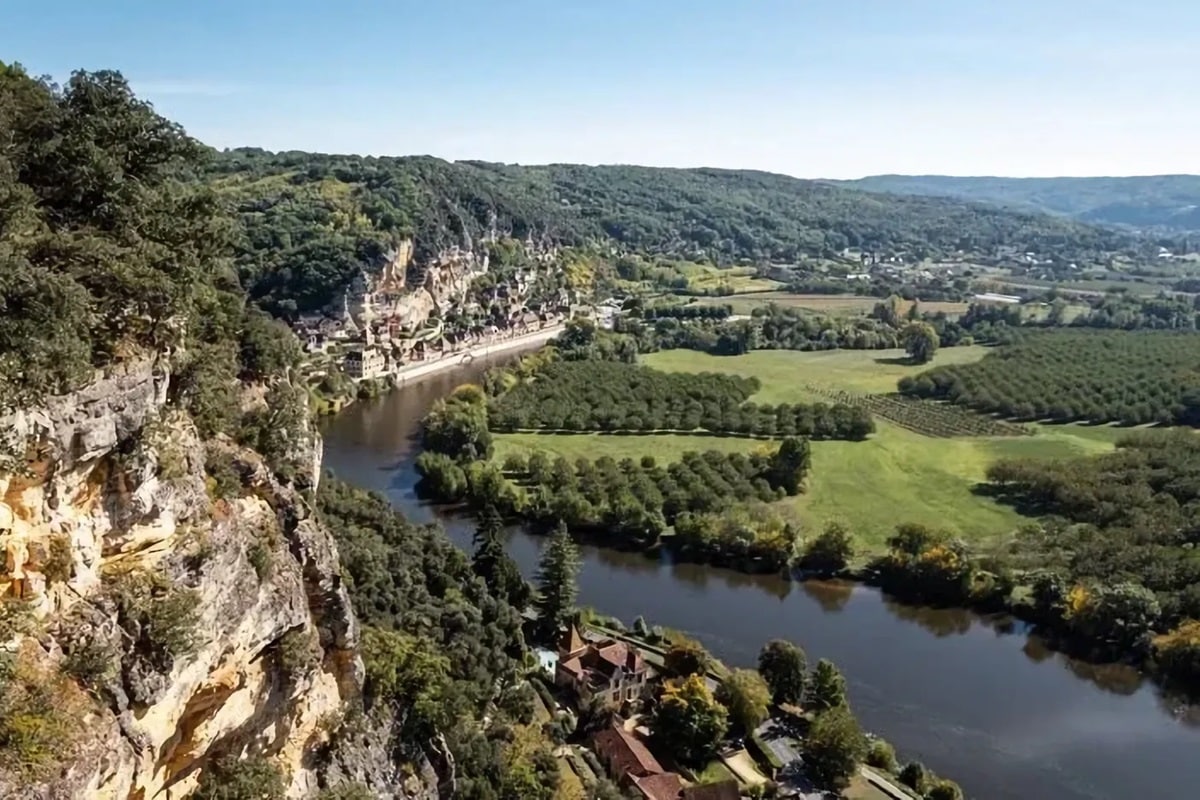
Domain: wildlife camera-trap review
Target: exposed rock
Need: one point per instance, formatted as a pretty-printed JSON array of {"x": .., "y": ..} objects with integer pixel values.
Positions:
[{"x": 115, "y": 486}]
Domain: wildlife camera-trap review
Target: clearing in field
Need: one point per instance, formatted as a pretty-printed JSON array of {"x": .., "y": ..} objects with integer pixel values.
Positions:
[{"x": 896, "y": 476}]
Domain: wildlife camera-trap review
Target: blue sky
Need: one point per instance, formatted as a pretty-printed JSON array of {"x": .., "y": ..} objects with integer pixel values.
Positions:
[{"x": 814, "y": 88}]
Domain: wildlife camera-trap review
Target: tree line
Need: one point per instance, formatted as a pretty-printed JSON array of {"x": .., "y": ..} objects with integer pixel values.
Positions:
[
  {"x": 630, "y": 504},
  {"x": 1077, "y": 375},
  {"x": 615, "y": 396}
]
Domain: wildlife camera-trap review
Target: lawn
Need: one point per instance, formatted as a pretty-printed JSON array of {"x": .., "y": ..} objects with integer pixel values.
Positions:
[
  {"x": 783, "y": 373},
  {"x": 895, "y": 476},
  {"x": 738, "y": 279}
]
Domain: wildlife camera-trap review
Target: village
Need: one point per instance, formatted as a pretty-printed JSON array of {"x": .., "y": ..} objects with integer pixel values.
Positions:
[{"x": 602, "y": 681}]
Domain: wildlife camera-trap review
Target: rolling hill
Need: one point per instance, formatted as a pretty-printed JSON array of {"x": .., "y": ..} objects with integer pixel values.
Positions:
[{"x": 1170, "y": 202}]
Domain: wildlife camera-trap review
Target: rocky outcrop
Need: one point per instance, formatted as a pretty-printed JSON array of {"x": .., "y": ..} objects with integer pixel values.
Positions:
[{"x": 111, "y": 513}]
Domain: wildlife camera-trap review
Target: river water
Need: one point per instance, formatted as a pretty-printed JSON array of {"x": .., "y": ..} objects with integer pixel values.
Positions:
[{"x": 975, "y": 699}]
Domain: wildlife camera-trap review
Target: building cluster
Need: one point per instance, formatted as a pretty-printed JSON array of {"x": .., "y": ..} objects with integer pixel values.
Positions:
[
  {"x": 410, "y": 314},
  {"x": 616, "y": 673}
]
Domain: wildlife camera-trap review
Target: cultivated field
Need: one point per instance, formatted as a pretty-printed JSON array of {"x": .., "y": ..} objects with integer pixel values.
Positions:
[
  {"x": 898, "y": 475},
  {"x": 823, "y": 303}
]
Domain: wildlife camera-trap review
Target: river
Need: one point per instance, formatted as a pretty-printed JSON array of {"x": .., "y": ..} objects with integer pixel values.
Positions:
[{"x": 975, "y": 699}]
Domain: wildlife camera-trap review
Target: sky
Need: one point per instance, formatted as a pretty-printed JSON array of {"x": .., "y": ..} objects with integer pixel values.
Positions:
[{"x": 811, "y": 88}]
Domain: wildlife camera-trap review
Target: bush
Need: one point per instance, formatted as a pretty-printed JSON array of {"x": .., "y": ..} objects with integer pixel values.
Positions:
[
  {"x": 882, "y": 755},
  {"x": 249, "y": 779},
  {"x": 259, "y": 556},
  {"x": 915, "y": 776},
  {"x": 347, "y": 791},
  {"x": 59, "y": 561},
  {"x": 299, "y": 653},
  {"x": 92, "y": 659},
  {"x": 160, "y": 618},
  {"x": 40, "y": 714},
  {"x": 224, "y": 482}
]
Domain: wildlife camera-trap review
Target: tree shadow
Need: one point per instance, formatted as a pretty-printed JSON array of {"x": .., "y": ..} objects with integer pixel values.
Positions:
[{"x": 897, "y": 361}]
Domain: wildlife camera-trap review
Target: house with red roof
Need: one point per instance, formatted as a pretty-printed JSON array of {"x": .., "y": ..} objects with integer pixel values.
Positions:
[{"x": 610, "y": 670}]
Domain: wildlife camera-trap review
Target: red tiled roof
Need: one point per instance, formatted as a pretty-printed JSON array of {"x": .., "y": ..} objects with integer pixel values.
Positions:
[
  {"x": 625, "y": 753},
  {"x": 665, "y": 786}
]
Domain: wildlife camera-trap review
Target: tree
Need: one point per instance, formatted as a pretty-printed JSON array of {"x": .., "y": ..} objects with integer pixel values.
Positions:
[
  {"x": 827, "y": 688},
  {"x": 783, "y": 666},
  {"x": 834, "y": 748},
  {"x": 556, "y": 581},
  {"x": 943, "y": 789},
  {"x": 789, "y": 465},
  {"x": 688, "y": 722},
  {"x": 830, "y": 551},
  {"x": 492, "y": 562},
  {"x": 249, "y": 779},
  {"x": 686, "y": 657},
  {"x": 745, "y": 695},
  {"x": 920, "y": 341},
  {"x": 915, "y": 776}
]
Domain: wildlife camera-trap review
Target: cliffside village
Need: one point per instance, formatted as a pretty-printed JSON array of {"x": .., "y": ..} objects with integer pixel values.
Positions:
[
  {"x": 409, "y": 315},
  {"x": 616, "y": 673}
]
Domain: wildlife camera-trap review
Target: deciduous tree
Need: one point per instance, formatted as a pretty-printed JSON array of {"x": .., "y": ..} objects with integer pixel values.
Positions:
[
  {"x": 745, "y": 695},
  {"x": 688, "y": 722},
  {"x": 834, "y": 747},
  {"x": 784, "y": 667}
]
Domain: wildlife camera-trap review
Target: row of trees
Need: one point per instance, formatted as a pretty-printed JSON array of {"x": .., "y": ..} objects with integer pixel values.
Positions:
[
  {"x": 1078, "y": 375},
  {"x": 631, "y": 504},
  {"x": 613, "y": 396}
]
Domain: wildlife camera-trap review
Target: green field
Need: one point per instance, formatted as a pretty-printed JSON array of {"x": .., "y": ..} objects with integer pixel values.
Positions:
[{"x": 895, "y": 476}]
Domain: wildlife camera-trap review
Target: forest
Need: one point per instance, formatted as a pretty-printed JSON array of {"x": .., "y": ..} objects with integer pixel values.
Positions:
[
  {"x": 1128, "y": 377},
  {"x": 615, "y": 396},
  {"x": 1115, "y": 564},
  {"x": 310, "y": 221}
]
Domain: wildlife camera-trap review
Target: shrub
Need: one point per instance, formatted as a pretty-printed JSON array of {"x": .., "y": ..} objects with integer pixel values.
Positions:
[
  {"x": 224, "y": 482},
  {"x": 882, "y": 755},
  {"x": 40, "y": 713},
  {"x": 347, "y": 791},
  {"x": 915, "y": 776},
  {"x": 259, "y": 556},
  {"x": 92, "y": 659},
  {"x": 253, "y": 778},
  {"x": 161, "y": 618},
  {"x": 59, "y": 561},
  {"x": 299, "y": 653}
]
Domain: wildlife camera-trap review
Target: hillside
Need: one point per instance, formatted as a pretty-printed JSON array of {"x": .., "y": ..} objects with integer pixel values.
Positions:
[
  {"x": 1154, "y": 201},
  {"x": 311, "y": 219}
]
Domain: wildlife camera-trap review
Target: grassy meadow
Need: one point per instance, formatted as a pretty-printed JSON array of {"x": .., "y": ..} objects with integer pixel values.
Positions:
[
  {"x": 895, "y": 476},
  {"x": 830, "y": 304}
]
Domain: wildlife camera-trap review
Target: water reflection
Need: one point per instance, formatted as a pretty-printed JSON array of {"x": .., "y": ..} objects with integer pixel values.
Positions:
[{"x": 831, "y": 596}]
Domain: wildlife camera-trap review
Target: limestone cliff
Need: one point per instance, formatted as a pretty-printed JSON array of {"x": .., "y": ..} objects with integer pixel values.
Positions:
[{"x": 205, "y": 618}]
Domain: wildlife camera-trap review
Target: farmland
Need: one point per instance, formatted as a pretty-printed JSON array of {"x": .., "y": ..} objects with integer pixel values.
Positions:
[
  {"x": 897, "y": 475},
  {"x": 833, "y": 304}
]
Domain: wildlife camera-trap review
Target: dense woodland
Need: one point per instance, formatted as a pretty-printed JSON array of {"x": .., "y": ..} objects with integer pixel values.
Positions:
[
  {"x": 1115, "y": 564},
  {"x": 310, "y": 221},
  {"x": 1078, "y": 375},
  {"x": 614, "y": 396}
]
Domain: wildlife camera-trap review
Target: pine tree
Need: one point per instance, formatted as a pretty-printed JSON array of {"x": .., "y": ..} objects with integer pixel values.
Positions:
[
  {"x": 556, "y": 582},
  {"x": 493, "y": 563},
  {"x": 827, "y": 689}
]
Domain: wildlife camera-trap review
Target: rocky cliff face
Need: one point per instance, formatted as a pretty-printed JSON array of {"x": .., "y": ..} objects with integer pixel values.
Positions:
[{"x": 205, "y": 618}]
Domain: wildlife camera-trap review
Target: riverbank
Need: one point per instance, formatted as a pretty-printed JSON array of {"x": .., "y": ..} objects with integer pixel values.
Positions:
[{"x": 370, "y": 388}]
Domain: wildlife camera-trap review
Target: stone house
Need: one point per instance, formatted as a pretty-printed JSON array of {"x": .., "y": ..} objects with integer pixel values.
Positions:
[{"x": 613, "y": 671}]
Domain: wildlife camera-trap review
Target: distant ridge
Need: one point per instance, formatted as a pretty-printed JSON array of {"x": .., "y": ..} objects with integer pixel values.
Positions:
[{"x": 1168, "y": 202}]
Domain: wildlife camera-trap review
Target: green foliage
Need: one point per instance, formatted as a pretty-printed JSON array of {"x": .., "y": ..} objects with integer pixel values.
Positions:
[
  {"x": 882, "y": 755},
  {"x": 105, "y": 240},
  {"x": 160, "y": 619},
  {"x": 609, "y": 396},
  {"x": 410, "y": 676},
  {"x": 686, "y": 657},
  {"x": 40, "y": 712},
  {"x": 1178, "y": 652},
  {"x": 830, "y": 551},
  {"x": 412, "y": 581},
  {"x": 915, "y": 776},
  {"x": 943, "y": 789},
  {"x": 230, "y": 778},
  {"x": 834, "y": 747},
  {"x": 783, "y": 666},
  {"x": 268, "y": 349},
  {"x": 920, "y": 341},
  {"x": 745, "y": 695},
  {"x": 223, "y": 480},
  {"x": 688, "y": 722},
  {"x": 492, "y": 562},
  {"x": 1067, "y": 375},
  {"x": 60, "y": 562},
  {"x": 826, "y": 687},
  {"x": 557, "y": 587},
  {"x": 311, "y": 221},
  {"x": 299, "y": 653},
  {"x": 347, "y": 791},
  {"x": 457, "y": 426}
]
